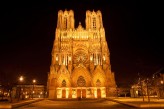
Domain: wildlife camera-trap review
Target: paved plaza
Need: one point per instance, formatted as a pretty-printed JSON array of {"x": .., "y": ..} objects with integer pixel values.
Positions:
[
  {"x": 83, "y": 104},
  {"x": 153, "y": 102},
  {"x": 112, "y": 103}
]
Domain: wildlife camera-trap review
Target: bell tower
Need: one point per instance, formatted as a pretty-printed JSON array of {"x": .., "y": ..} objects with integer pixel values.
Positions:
[
  {"x": 93, "y": 20},
  {"x": 65, "y": 20}
]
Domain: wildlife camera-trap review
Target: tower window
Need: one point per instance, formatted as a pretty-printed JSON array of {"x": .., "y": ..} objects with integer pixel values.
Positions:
[
  {"x": 94, "y": 22},
  {"x": 65, "y": 22}
]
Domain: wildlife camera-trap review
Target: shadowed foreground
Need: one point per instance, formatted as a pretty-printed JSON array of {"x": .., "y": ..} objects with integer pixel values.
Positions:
[{"x": 90, "y": 104}]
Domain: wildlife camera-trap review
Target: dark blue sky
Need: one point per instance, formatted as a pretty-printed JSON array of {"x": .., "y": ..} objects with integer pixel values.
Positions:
[{"x": 132, "y": 28}]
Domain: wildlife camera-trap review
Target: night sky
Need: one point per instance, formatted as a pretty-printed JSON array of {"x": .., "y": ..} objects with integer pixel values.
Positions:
[{"x": 132, "y": 29}]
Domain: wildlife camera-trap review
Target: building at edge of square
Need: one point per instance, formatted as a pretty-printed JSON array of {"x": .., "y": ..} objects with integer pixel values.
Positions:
[{"x": 80, "y": 66}]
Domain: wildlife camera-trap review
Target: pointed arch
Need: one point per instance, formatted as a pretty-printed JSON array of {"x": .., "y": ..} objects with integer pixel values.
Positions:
[
  {"x": 79, "y": 72},
  {"x": 99, "y": 77},
  {"x": 63, "y": 75}
]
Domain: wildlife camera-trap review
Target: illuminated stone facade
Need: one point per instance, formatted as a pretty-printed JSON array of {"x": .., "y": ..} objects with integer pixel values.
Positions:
[{"x": 80, "y": 66}]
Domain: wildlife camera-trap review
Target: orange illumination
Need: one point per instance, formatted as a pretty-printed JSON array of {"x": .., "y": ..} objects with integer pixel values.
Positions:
[
  {"x": 34, "y": 81},
  {"x": 95, "y": 92},
  {"x": 80, "y": 57},
  {"x": 21, "y": 78}
]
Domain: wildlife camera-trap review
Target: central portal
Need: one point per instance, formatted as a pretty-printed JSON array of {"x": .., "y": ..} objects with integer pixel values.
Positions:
[{"x": 81, "y": 93}]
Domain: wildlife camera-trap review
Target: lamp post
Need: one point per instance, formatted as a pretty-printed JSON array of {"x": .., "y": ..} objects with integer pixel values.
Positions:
[
  {"x": 21, "y": 78},
  {"x": 154, "y": 83},
  {"x": 116, "y": 91},
  {"x": 162, "y": 88},
  {"x": 147, "y": 84},
  {"x": 161, "y": 81},
  {"x": 141, "y": 88},
  {"x": 33, "y": 81}
]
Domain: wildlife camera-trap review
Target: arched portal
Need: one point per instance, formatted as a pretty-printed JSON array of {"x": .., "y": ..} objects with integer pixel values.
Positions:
[
  {"x": 81, "y": 83},
  {"x": 81, "y": 77}
]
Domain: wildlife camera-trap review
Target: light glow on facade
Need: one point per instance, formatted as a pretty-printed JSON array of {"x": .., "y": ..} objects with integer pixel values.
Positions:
[{"x": 80, "y": 66}]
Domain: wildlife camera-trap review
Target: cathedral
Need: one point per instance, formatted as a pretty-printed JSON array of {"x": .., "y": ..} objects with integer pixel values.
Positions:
[{"x": 80, "y": 65}]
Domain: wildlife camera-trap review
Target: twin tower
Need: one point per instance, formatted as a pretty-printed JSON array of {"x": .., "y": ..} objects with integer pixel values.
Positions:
[{"x": 80, "y": 66}]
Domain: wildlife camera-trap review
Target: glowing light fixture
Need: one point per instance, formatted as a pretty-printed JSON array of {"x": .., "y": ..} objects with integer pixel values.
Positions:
[
  {"x": 56, "y": 58},
  {"x": 91, "y": 58},
  {"x": 161, "y": 81},
  {"x": 21, "y": 78},
  {"x": 104, "y": 57}
]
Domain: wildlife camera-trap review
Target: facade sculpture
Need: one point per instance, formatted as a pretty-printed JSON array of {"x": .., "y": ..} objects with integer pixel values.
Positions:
[{"x": 80, "y": 66}]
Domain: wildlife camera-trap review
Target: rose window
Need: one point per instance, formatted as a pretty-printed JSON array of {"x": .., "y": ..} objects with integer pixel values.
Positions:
[
  {"x": 98, "y": 83},
  {"x": 63, "y": 83},
  {"x": 81, "y": 81}
]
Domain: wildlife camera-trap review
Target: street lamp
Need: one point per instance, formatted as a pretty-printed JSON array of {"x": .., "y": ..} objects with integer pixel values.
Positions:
[
  {"x": 33, "y": 81},
  {"x": 142, "y": 94},
  {"x": 116, "y": 91},
  {"x": 162, "y": 88},
  {"x": 161, "y": 81},
  {"x": 21, "y": 78},
  {"x": 147, "y": 83}
]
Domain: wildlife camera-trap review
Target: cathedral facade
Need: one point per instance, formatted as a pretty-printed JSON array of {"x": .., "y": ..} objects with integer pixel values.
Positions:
[{"x": 80, "y": 66}]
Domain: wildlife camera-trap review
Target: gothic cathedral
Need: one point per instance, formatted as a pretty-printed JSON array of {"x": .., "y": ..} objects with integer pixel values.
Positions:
[{"x": 80, "y": 66}]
